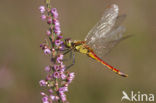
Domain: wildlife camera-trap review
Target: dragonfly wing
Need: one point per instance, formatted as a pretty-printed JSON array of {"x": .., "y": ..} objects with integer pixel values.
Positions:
[
  {"x": 104, "y": 25},
  {"x": 102, "y": 42},
  {"x": 119, "y": 21},
  {"x": 103, "y": 45}
]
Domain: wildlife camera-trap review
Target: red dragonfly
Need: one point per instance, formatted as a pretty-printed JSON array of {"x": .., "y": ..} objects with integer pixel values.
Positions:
[{"x": 101, "y": 38}]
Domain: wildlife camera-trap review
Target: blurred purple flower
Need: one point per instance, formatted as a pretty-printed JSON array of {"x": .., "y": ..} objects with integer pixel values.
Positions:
[
  {"x": 59, "y": 37},
  {"x": 47, "y": 68},
  {"x": 47, "y": 51},
  {"x": 54, "y": 12},
  {"x": 43, "y": 83},
  {"x": 63, "y": 76},
  {"x": 62, "y": 66},
  {"x": 43, "y": 94},
  {"x": 42, "y": 9},
  {"x": 71, "y": 77},
  {"x": 63, "y": 89},
  {"x": 45, "y": 99},
  {"x": 60, "y": 58},
  {"x": 56, "y": 67},
  {"x": 63, "y": 97},
  {"x": 58, "y": 32},
  {"x": 43, "y": 17},
  {"x": 57, "y": 42},
  {"x": 49, "y": 77},
  {"x": 56, "y": 75},
  {"x": 43, "y": 46},
  {"x": 56, "y": 98},
  {"x": 56, "y": 23},
  {"x": 50, "y": 91},
  {"x": 57, "y": 29},
  {"x": 48, "y": 32},
  {"x": 52, "y": 97},
  {"x": 61, "y": 47},
  {"x": 49, "y": 20}
]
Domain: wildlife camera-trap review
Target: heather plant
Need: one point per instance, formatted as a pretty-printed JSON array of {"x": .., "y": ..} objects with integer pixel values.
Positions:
[
  {"x": 99, "y": 41},
  {"x": 58, "y": 77}
]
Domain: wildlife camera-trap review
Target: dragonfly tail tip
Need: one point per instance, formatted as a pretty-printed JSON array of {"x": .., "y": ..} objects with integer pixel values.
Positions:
[{"x": 123, "y": 74}]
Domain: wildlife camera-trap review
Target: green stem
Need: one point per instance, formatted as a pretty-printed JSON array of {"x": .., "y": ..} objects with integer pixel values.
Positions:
[{"x": 47, "y": 1}]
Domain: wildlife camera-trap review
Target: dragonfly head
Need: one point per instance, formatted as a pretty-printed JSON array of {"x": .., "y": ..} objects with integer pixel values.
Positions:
[{"x": 68, "y": 42}]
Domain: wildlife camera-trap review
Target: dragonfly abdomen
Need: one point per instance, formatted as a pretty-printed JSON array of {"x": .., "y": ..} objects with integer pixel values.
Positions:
[{"x": 94, "y": 56}]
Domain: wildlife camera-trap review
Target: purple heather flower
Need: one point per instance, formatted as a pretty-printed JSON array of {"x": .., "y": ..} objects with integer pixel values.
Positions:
[
  {"x": 56, "y": 75},
  {"x": 57, "y": 42},
  {"x": 56, "y": 98},
  {"x": 42, "y": 9},
  {"x": 63, "y": 97},
  {"x": 43, "y": 94},
  {"x": 60, "y": 58},
  {"x": 71, "y": 77},
  {"x": 47, "y": 51},
  {"x": 49, "y": 20},
  {"x": 57, "y": 29},
  {"x": 52, "y": 97},
  {"x": 45, "y": 99},
  {"x": 56, "y": 67},
  {"x": 59, "y": 37},
  {"x": 43, "y": 46},
  {"x": 49, "y": 77},
  {"x": 62, "y": 67},
  {"x": 43, "y": 17},
  {"x": 62, "y": 47},
  {"x": 43, "y": 83},
  {"x": 50, "y": 91},
  {"x": 62, "y": 70},
  {"x": 67, "y": 84},
  {"x": 46, "y": 102},
  {"x": 54, "y": 12},
  {"x": 63, "y": 89},
  {"x": 47, "y": 68},
  {"x": 63, "y": 76},
  {"x": 58, "y": 32},
  {"x": 48, "y": 32},
  {"x": 56, "y": 23}
]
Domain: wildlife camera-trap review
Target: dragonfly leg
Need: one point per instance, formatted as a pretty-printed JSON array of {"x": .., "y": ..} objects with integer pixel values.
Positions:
[
  {"x": 72, "y": 62},
  {"x": 69, "y": 50},
  {"x": 70, "y": 56}
]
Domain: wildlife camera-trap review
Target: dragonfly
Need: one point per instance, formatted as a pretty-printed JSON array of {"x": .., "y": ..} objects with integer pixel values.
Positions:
[{"x": 101, "y": 38}]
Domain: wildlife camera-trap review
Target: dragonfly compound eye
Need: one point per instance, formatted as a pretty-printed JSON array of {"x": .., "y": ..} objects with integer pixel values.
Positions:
[{"x": 68, "y": 42}]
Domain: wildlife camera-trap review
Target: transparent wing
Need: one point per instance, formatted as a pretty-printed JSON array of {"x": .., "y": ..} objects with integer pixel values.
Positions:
[
  {"x": 103, "y": 38},
  {"x": 103, "y": 46},
  {"x": 104, "y": 25}
]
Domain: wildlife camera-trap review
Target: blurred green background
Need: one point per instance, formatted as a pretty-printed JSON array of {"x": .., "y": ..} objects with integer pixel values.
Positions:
[{"x": 22, "y": 61}]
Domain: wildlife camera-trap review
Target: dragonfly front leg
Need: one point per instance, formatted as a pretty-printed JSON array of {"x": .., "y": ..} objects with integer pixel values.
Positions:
[
  {"x": 69, "y": 50},
  {"x": 73, "y": 55}
]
